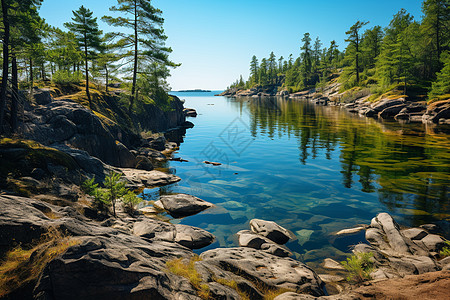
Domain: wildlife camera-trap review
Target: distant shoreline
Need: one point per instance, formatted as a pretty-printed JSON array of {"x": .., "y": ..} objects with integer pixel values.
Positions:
[{"x": 194, "y": 91}]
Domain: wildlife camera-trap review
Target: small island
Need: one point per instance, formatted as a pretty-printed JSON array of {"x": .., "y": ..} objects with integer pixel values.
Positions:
[{"x": 195, "y": 91}]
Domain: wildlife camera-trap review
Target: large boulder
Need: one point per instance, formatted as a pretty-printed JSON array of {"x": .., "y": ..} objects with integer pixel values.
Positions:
[
  {"x": 42, "y": 96},
  {"x": 271, "y": 230},
  {"x": 255, "y": 241},
  {"x": 391, "y": 111},
  {"x": 193, "y": 237},
  {"x": 273, "y": 271},
  {"x": 385, "y": 103},
  {"x": 183, "y": 205},
  {"x": 384, "y": 233}
]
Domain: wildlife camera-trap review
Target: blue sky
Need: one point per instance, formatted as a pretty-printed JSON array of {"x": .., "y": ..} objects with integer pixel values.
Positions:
[{"x": 215, "y": 40}]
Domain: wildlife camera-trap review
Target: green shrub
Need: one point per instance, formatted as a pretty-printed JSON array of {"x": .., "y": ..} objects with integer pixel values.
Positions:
[
  {"x": 130, "y": 201},
  {"x": 114, "y": 190},
  {"x": 445, "y": 252},
  {"x": 359, "y": 267},
  {"x": 89, "y": 186}
]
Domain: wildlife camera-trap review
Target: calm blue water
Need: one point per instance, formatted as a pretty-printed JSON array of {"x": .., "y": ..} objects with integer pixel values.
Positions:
[{"x": 314, "y": 170}]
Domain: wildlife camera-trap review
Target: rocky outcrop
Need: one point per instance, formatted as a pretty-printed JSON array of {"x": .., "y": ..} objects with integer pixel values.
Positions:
[
  {"x": 66, "y": 122},
  {"x": 438, "y": 112},
  {"x": 258, "y": 242},
  {"x": 400, "y": 252},
  {"x": 183, "y": 205},
  {"x": 190, "y": 112},
  {"x": 271, "y": 230},
  {"x": 126, "y": 258},
  {"x": 267, "y": 269}
]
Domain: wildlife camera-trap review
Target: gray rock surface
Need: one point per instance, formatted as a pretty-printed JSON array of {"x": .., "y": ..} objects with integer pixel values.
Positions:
[
  {"x": 271, "y": 230},
  {"x": 141, "y": 178},
  {"x": 255, "y": 241},
  {"x": 153, "y": 229},
  {"x": 193, "y": 237},
  {"x": 269, "y": 269},
  {"x": 183, "y": 205}
]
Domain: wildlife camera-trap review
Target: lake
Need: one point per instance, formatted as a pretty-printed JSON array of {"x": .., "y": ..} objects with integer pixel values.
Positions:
[{"x": 314, "y": 170}]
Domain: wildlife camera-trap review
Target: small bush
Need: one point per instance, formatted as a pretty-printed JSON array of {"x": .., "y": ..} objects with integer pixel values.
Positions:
[
  {"x": 359, "y": 266},
  {"x": 130, "y": 201},
  {"x": 66, "y": 77},
  {"x": 445, "y": 252}
]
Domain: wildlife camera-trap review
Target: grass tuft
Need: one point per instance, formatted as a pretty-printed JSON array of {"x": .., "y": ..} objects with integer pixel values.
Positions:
[{"x": 22, "y": 266}]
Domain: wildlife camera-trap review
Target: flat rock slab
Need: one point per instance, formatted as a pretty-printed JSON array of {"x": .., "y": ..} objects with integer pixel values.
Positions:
[
  {"x": 273, "y": 271},
  {"x": 183, "y": 205},
  {"x": 152, "y": 229},
  {"x": 193, "y": 237},
  {"x": 142, "y": 178},
  {"x": 294, "y": 296},
  {"x": 271, "y": 230}
]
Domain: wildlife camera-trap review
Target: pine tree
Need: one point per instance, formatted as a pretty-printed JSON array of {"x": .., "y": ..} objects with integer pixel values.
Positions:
[
  {"x": 145, "y": 43},
  {"x": 272, "y": 61},
  {"x": 354, "y": 39},
  {"x": 254, "y": 70},
  {"x": 442, "y": 84},
  {"x": 88, "y": 37},
  {"x": 317, "y": 50},
  {"x": 436, "y": 25},
  {"x": 17, "y": 18},
  {"x": 306, "y": 55}
]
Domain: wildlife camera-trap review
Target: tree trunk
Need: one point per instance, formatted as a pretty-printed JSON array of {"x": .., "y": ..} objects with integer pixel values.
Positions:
[
  {"x": 4, "y": 84},
  {"x": 107, "y": 78},
  {"x": 133, "y": 87},
  {"x": 87, "y": 71},
  {"x": 14, "y": 93},
  {"x": 357, "y": 58},
  {"x": 31, "y": 76}
]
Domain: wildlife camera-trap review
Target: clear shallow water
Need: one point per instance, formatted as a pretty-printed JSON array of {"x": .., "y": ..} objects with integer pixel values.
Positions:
[{"x": 314, "y": 170}]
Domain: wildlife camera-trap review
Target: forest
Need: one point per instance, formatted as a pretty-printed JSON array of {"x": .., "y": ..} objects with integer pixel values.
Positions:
[
  {"x": 408, "y": 55},
  {"x": 35, "y": 54}
]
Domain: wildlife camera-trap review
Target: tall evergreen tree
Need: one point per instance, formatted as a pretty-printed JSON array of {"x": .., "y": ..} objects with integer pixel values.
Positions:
[
  {"x": 317, "y": 51},
  {"x": 436, "y": 26},
  {"x": 354, "y": 40},
  {"x": 145, "y": 43},
  {"x": 254, "y": 70},
  {"x": 272, "y": 61},
  {"x": 17, "y": 16},
  {"x": 88, "y": 37},
  {"x": 306, "y": 55}
]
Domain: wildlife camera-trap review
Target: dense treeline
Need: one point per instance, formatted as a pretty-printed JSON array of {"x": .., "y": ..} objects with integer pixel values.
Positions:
[
  {"x": 406, "y": 55},
  {"x": 35, "y": 51}
]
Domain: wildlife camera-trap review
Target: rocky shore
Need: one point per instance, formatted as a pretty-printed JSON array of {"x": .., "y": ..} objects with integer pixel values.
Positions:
[
  {"x": 130, "y": 257},
  {"x": 390, "y": 108}
]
